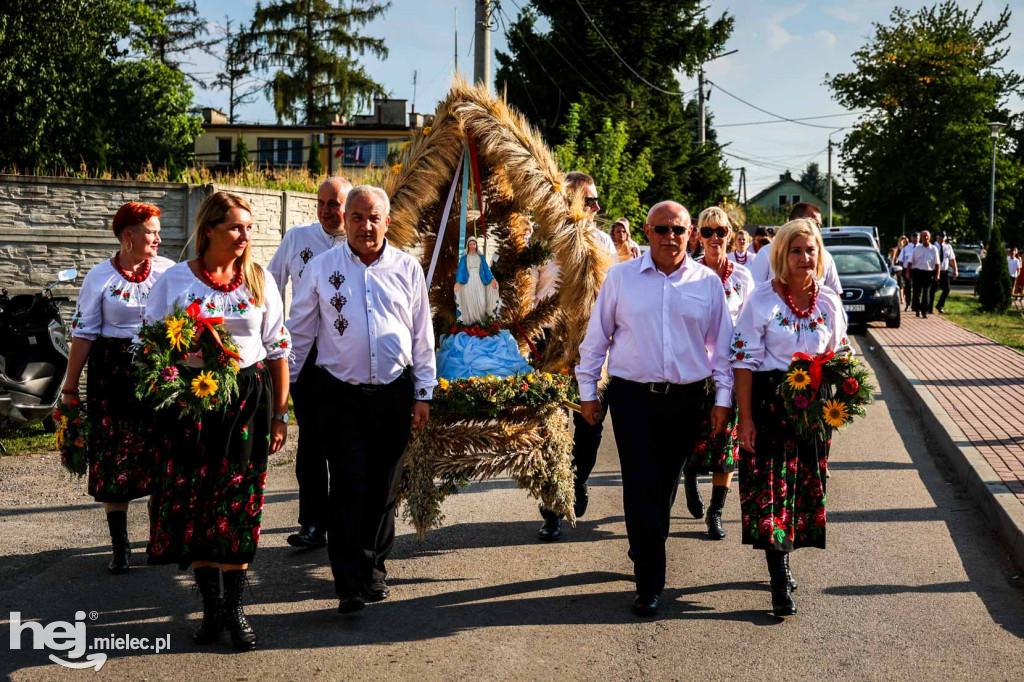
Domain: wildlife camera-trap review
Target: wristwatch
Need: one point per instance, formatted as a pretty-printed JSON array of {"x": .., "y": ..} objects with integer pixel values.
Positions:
[{"x": 281, "y": 417}]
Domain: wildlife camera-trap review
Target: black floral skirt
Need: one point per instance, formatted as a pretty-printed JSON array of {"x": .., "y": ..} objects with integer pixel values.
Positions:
[
  {"x": 715, "y": 454},
  {"x": 208, "y": 501},
  {"x": 782, "y": 484},
  {"x": 123, "y": 436}
]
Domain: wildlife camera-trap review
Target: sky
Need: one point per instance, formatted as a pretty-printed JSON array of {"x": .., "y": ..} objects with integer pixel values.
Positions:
[{"x": 785, "y": 51}]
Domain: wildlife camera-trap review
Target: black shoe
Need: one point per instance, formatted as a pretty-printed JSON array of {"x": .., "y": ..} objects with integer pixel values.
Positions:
[
  {"x": 551, "y": 530},
  {"x": 243, "y": 636},
  {"x": 377, "y": 591},
  {"x": 924, "y": 316},
  {"x": 645, "y": 605},
  {"x": 308, "y": 537},
  {"x": 582, "y": 500},
  {"x": 694, "y": 502},
  {"x": 940, "y": 311},
  {"x": 789, "y": 575},
  {"x": 782, "y": 594},
  {"x": 208, "y": 581},
  {"x": 351, "y": 604},
  {"x": 917, "y": 313},
  {"x": 120, "y": 562},
  {"x": 714, "y": 517}
]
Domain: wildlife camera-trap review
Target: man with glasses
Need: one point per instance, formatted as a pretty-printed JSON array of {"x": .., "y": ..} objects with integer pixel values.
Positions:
[
  {"x": 761, "y": 269},
  {"x": 663, "y": 324}
]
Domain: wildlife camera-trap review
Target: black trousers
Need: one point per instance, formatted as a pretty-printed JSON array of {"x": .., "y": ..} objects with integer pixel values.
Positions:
[
  {"x": 310, "y": 458},
  {"x": 585, "y": 442},
  {"x": 923, "y": 281},
  {"x": 654, "y": 434},
  {"x": 365, "y": 433},
  {"x": 944, "y": 286}
]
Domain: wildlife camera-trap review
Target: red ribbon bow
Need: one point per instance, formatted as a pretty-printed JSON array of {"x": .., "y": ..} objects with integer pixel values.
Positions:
[
  {"x": 195, "y": 311},
  {"x": 816, "y": 364}
]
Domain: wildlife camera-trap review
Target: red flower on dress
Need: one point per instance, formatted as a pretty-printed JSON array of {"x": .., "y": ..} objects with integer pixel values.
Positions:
[
  {"x": 222, "y": 526},
  {"x": 819, "y": 518},
  {"x": 766, "y": 526}
]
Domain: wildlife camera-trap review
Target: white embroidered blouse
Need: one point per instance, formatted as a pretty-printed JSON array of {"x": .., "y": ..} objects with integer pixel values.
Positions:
[
  {"x": 738, "y": 287},
  {"x": 111, "y": 306},
  {"x": 258, "y": 331},
  {"x": 767, "y": 333}
]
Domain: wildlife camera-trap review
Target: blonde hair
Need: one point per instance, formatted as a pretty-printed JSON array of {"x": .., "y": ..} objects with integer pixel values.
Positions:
[
  {"x": 801, "y": 227},
  {"x": 716, "y": 213},
  {"x": 211, "y": 212}
]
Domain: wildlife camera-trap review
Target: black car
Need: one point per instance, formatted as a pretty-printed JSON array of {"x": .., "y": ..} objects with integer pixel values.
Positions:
[{"x": 869, "y": 291}]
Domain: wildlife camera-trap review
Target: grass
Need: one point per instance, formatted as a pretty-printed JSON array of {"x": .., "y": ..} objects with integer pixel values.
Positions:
[
  {"x": 28, "y": 440},
  {"x": 1007, "y": 329}
]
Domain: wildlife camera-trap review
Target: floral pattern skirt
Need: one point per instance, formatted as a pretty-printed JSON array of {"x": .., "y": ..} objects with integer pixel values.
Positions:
[
  {"x": 715, "y": 454},
  {"x": 123, "y": 436},
  {"x": 208, "y": 501},
  {"x": 782, "y": 484}
]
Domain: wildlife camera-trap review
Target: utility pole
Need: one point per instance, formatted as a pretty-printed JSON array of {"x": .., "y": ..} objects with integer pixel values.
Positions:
[
  {"x": 482, "y": 44},
  {"x": 700, "y": 105},
  {"x": 995, "y": 128},
  {"x": 830, "y": 173},
  {"x": 456, "y": 41},
  {"x": 415, "y": 78}
]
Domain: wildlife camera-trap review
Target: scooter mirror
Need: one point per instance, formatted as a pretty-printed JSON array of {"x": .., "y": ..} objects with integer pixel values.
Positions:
[{"x": 67, "y": 275}]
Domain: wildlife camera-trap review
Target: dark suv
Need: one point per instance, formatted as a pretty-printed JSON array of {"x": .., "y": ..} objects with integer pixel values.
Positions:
[{"x": 869, "y": 291}]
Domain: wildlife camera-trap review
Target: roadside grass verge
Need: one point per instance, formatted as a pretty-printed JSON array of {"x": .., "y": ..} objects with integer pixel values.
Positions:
[{"x": 1007, "y": 329}]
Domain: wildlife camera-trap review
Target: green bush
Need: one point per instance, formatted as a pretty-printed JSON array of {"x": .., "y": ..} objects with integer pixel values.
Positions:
[
  {"x": 241, "y": 163},
  {"x": 995, "y": 288},
  {"x": 313, "y": 165}
]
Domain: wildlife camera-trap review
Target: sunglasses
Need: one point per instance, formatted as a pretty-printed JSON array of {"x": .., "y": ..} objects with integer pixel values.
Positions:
[
  {"x": 719, "y": 232},
  {"x": 590, "y": 202},
  {"x": 677, "y": 230}
]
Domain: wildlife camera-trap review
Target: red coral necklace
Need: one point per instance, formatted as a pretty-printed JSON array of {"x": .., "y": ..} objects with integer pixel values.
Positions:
[
  {"x": 724, "y": 276},
  {"x": 801, "y": 314},
  {"x": 235, "y": 282},
  {"x": 741, "y": 257},
  {"x": 133, "y": 278}
]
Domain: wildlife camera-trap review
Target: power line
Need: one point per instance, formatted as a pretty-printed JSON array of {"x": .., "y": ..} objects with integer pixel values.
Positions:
[
  {"x": 805, "y": 118},
  {"x": 765, "y": 111}
]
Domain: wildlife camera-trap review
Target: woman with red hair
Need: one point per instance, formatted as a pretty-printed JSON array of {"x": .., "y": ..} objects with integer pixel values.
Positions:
[{"x": 111, "y": 307}]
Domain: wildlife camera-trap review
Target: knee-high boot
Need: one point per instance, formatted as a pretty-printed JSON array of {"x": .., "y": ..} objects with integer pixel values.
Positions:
[
  {"x": 782, "y": 594},
  {"x": 694, "y": 502},
  {"x": 208, "y": 581},
  {"x": 243, "y": 636},
  {"x": 117, "y": 522},
  {"x": 714, "y": 517}
]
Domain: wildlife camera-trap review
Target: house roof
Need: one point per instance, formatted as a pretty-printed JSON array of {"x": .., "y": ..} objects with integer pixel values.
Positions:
[{"x": 783, "y": 179}]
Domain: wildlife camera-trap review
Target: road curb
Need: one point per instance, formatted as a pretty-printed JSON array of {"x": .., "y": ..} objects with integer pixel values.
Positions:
[{"x": 1001, "y": 508}]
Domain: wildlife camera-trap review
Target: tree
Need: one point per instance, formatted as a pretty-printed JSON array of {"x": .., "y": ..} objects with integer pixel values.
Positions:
[
  {"x": 241, "y": 160},
  {"x": 920, "y": 157},
  {"x": 177, "y": 31},
  {"x": 624, "y": 71},
  {"x": 813, "y": 179},
  {"x": 235, "y": 75},
  {"x": 620, "y": 178},
  {"x": 313, "y": 164},
  {"x": 312, "y": 44},
  {"x": 995, "y": 288}
]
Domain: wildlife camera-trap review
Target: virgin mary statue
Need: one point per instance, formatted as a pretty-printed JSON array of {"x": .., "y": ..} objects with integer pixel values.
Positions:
[{"x": 476, "y": 290}]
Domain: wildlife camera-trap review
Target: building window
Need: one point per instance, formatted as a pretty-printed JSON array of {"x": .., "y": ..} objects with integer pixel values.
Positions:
[
  {"x": 363, "y": 152},
  {"x": 224, "y": 150},
  {"x": 265, "y": 145},
  {"x": 796, "y": 199},
  {"x": 285, "y": 151},
  {"x": 783, "y": 200}
]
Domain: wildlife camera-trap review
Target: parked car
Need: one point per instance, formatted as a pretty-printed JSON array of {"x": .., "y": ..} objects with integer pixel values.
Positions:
[
  {"x": 851, "y": 235},
  {"x": 869, "y": 291},
  {"x": 968, "y": 264}
]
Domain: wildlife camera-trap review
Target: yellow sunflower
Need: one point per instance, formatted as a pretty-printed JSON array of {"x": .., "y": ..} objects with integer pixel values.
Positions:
[
  {"x": 204, "y": 385},
  {"x": 443, "y": 384},
  {"x": 798, "y": 379},
  {"x": 835, "y": 413},
  {"x": 176, "y": 333}
]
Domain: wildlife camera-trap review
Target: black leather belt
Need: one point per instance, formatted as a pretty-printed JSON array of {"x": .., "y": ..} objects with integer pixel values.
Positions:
[{"x": 661, "y": 388}]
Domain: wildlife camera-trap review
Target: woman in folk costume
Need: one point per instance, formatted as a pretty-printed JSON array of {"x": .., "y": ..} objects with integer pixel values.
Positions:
[
  {"x": 716, "y": 455},
  {"x": 476, "y": 290},
  {"x": 208, "y": 507},
  {"x": 741, "y": 253},
  {"x": 782, "y": 473},
  {"x": 111, "y": 306}
]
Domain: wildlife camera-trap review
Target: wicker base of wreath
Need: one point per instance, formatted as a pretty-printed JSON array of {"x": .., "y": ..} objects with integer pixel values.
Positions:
[{"x": 532, "y": 446}]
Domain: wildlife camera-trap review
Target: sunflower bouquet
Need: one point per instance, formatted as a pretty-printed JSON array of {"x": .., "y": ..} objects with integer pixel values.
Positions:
[
  {"x": 186, "y": 362},
  {"x": 73, "y": 437},
  {"x": 825, "y": 392}
]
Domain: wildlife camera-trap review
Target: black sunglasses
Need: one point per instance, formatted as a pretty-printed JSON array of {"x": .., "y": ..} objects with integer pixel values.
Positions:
[
  {"x": 590, "y": 201},
  {"x": 677, "y": 230},
  {"x": 719, "y": 231}
]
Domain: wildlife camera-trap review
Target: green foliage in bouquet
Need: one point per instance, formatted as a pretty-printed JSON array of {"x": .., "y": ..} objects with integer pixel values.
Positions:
[
  {"x": 825, "y": 393},
  {"x": 488, "y": 397},
  {"x": 73, "y": 437}
]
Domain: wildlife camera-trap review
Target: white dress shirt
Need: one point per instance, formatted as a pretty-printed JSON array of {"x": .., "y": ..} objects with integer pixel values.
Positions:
[
  {"x": 258, "y": 331},
  {"x": 763, "y": 271},
  {"x": 948, "y": 256},
  {"x": 369, "y": 322},
  {"x": 924, "y": 257},
  {"x": 1014, "y": 265},
  {"x": 300, "y": 245},
  {"x": 768, "y": 333},
  {"x": 111, "y": 306},
  {"x": 908, "y": 249},
  {"x": 547, "y": 275},
  {"x": 659, "y": 328}
]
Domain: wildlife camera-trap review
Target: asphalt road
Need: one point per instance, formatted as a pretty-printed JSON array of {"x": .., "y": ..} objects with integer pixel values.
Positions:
[{"x": 913, "y": 586}]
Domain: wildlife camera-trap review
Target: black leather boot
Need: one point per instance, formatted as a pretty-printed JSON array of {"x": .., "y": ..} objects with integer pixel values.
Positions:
[
  {"x": 789, "y": 575},
  {"x": 714, "y": 517},
  {"x": 208, "y": 581},
  {"x": 782, "y": 595},
  {"x": 552, "y": 528},
  {"x": 694, "y": 502},
  {"x": 117, "y": 521},
  {"x": 243, "y": 636}
]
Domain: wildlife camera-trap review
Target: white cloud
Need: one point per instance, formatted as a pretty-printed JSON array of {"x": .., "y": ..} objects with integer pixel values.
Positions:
[
  {"x": 777, "y": 37},
  {"x": 825, "y": 38},
  {"x": 843, "y": 14}
]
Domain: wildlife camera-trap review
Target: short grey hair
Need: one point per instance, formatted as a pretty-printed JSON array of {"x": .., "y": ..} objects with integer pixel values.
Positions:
[
  {"x": 674, "y": 205},
  {"x": 369, "y": 190},
  {"x": 344, "y": 184}
]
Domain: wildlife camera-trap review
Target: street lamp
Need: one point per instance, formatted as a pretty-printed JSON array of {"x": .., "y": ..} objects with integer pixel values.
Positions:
[
  {"x": 995, "y": 127},
  {"x": 830, "y": 173}
]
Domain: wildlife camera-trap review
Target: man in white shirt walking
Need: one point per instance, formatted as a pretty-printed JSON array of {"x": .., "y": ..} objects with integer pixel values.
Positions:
[
  {"x": 908, "y": 249},
  {"x": 761, "y": 268},
  {"x": 924, "y": 272},
  {"x": 662, "y": 323},
  {"x": 300, "y": 245},
  {"x": 947, "y": 264},
  {"x": 365, "y": 304}
]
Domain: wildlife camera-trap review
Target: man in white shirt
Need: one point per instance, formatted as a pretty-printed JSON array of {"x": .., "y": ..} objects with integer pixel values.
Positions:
[
  {"x": 947, "y": 264},
  {"x": 300, "y": 245},
  {"x": 908, "y": 249},
  {"x": 761, "y": 268},
  {"x": 663, "y": 324},
  {"x": 924, "y": 272},
  {"x": 1013, "y": 262},
  {"x": 586, "y": 436},
  {"x": 365, "y": 304}
]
